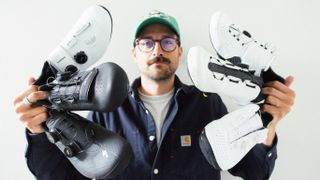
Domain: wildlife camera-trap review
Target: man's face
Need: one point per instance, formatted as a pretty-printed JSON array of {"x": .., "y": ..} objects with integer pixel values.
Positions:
[{"x": 158, "y": 64}]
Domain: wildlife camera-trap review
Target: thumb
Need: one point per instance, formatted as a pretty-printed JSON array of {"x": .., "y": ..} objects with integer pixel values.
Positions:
[
  {"x": 289, "y": 81},
  {"x": 31, "y": 80}
]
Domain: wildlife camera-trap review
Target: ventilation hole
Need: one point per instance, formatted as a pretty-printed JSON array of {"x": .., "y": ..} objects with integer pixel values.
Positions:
[{"x": 247, "y": 34}]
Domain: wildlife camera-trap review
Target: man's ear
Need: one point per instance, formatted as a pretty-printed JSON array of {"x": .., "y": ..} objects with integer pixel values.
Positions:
[
  {"x": 133, "y": 53},
  {"x": 180, "y": 51}
]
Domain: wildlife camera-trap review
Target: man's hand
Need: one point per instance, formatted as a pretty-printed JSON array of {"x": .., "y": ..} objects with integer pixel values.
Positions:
[
  {"x": 31, "y": 116},
  {"x": 280, "y": 99}
]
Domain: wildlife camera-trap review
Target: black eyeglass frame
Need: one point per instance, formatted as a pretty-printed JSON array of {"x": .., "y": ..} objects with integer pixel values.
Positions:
[{"x": 136, "y": 43}]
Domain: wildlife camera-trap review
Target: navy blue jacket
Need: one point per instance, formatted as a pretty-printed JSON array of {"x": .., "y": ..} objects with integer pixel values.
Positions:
[{"x": 189, "y": 112}]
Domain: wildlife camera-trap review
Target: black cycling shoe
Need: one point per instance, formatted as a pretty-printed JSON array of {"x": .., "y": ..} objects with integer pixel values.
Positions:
[
  {"x": 93, "y": 150},
  {"x": 103, "y": 88}
]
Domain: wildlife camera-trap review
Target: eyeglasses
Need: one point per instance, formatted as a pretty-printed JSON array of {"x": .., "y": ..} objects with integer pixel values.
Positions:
[{"x": 146, "y": 45}]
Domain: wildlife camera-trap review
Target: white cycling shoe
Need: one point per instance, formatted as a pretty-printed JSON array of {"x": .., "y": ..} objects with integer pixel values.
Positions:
[
  {"x": 85, "y": 43},
  {"x": 224, "y": 142},
  {"x": 229, "y": 41},
  {"x": 214, "y": 75},
  {"x": 240, "y": 72}
]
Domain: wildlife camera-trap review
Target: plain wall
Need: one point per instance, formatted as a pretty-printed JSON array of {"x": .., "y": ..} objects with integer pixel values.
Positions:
[{"x": 31, "y": 29}]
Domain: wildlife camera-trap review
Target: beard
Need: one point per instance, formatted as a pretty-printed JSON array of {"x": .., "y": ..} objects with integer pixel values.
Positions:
[{"x": 162, "y": 74}]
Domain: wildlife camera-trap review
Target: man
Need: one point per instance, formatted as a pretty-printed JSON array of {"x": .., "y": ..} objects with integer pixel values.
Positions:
[{"x": 161, "y": 118}]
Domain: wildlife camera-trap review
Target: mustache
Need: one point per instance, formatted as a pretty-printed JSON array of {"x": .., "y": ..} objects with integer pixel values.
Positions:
[{"x": 159, "y": 59}]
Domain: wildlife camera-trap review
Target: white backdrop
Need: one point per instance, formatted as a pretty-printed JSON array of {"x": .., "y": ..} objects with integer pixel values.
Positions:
[{"x": 31, "y": 29}]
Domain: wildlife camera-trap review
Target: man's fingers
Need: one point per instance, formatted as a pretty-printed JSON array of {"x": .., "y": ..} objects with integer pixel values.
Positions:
[
  {"x": 270, "y": 91},
  {"x": 30, "y": 89},
  {"x": 39, "y": 119},
  {"x": 35, "y": 124},
  {"x": 279, "y": 86},
  {"x": 289, "y": 81},
  {"x": 29, "y": 114},
  {"x": 38, "y": 95},
  {"x": 273, "y": 101},
  {"x": 33, "y": 96},
  {"x": 287, "y": 98},
  {"x": 31, "y": 80},
  {"x": 275, "y": 87},
  {"x": 276, "y": 112},
  {"x": 20, "y": 97}
]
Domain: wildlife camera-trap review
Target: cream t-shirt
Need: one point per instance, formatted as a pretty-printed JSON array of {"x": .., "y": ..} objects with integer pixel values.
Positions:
[{"x": 158, "y": 106}]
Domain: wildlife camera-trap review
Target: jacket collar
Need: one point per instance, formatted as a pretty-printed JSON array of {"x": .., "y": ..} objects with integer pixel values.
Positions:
[{"x": 133, "y": 90}]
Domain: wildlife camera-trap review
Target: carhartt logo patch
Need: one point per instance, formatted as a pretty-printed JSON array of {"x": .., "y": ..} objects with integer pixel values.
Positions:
[{"x": 185, "y": 140}]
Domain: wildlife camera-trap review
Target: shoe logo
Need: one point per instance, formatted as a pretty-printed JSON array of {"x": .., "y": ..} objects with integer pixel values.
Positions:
[
  {"x": 105, "y": 153},
  {"x": 185, "y": 140}
]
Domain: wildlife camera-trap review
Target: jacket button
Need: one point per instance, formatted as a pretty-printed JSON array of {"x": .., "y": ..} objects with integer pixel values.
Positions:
[
  {"x": 151, "y": 138},
  {"x": 155, "y": 171}
]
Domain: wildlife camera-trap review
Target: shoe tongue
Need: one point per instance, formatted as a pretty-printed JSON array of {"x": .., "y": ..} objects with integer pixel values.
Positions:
[
  {"x": 63, "y": 76},
  {"x": 235, "y": 60},
  {"x": 246, "y": 33}
]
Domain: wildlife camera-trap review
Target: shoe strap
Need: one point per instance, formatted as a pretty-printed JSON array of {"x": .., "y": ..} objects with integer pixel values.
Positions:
[{"x": 86, "y": 84}]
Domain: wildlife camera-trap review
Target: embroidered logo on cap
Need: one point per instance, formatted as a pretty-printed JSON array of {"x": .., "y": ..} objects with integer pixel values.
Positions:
[
  {"x": 185, "y": 140},
  {"x": 156, "y": 13}
]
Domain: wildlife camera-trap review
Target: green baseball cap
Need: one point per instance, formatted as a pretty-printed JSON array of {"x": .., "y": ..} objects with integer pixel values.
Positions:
[{"x": 156, "y": 16}]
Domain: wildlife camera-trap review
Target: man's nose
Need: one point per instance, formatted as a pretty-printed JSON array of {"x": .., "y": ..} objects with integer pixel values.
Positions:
[{"x": 157, "y": 51}]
